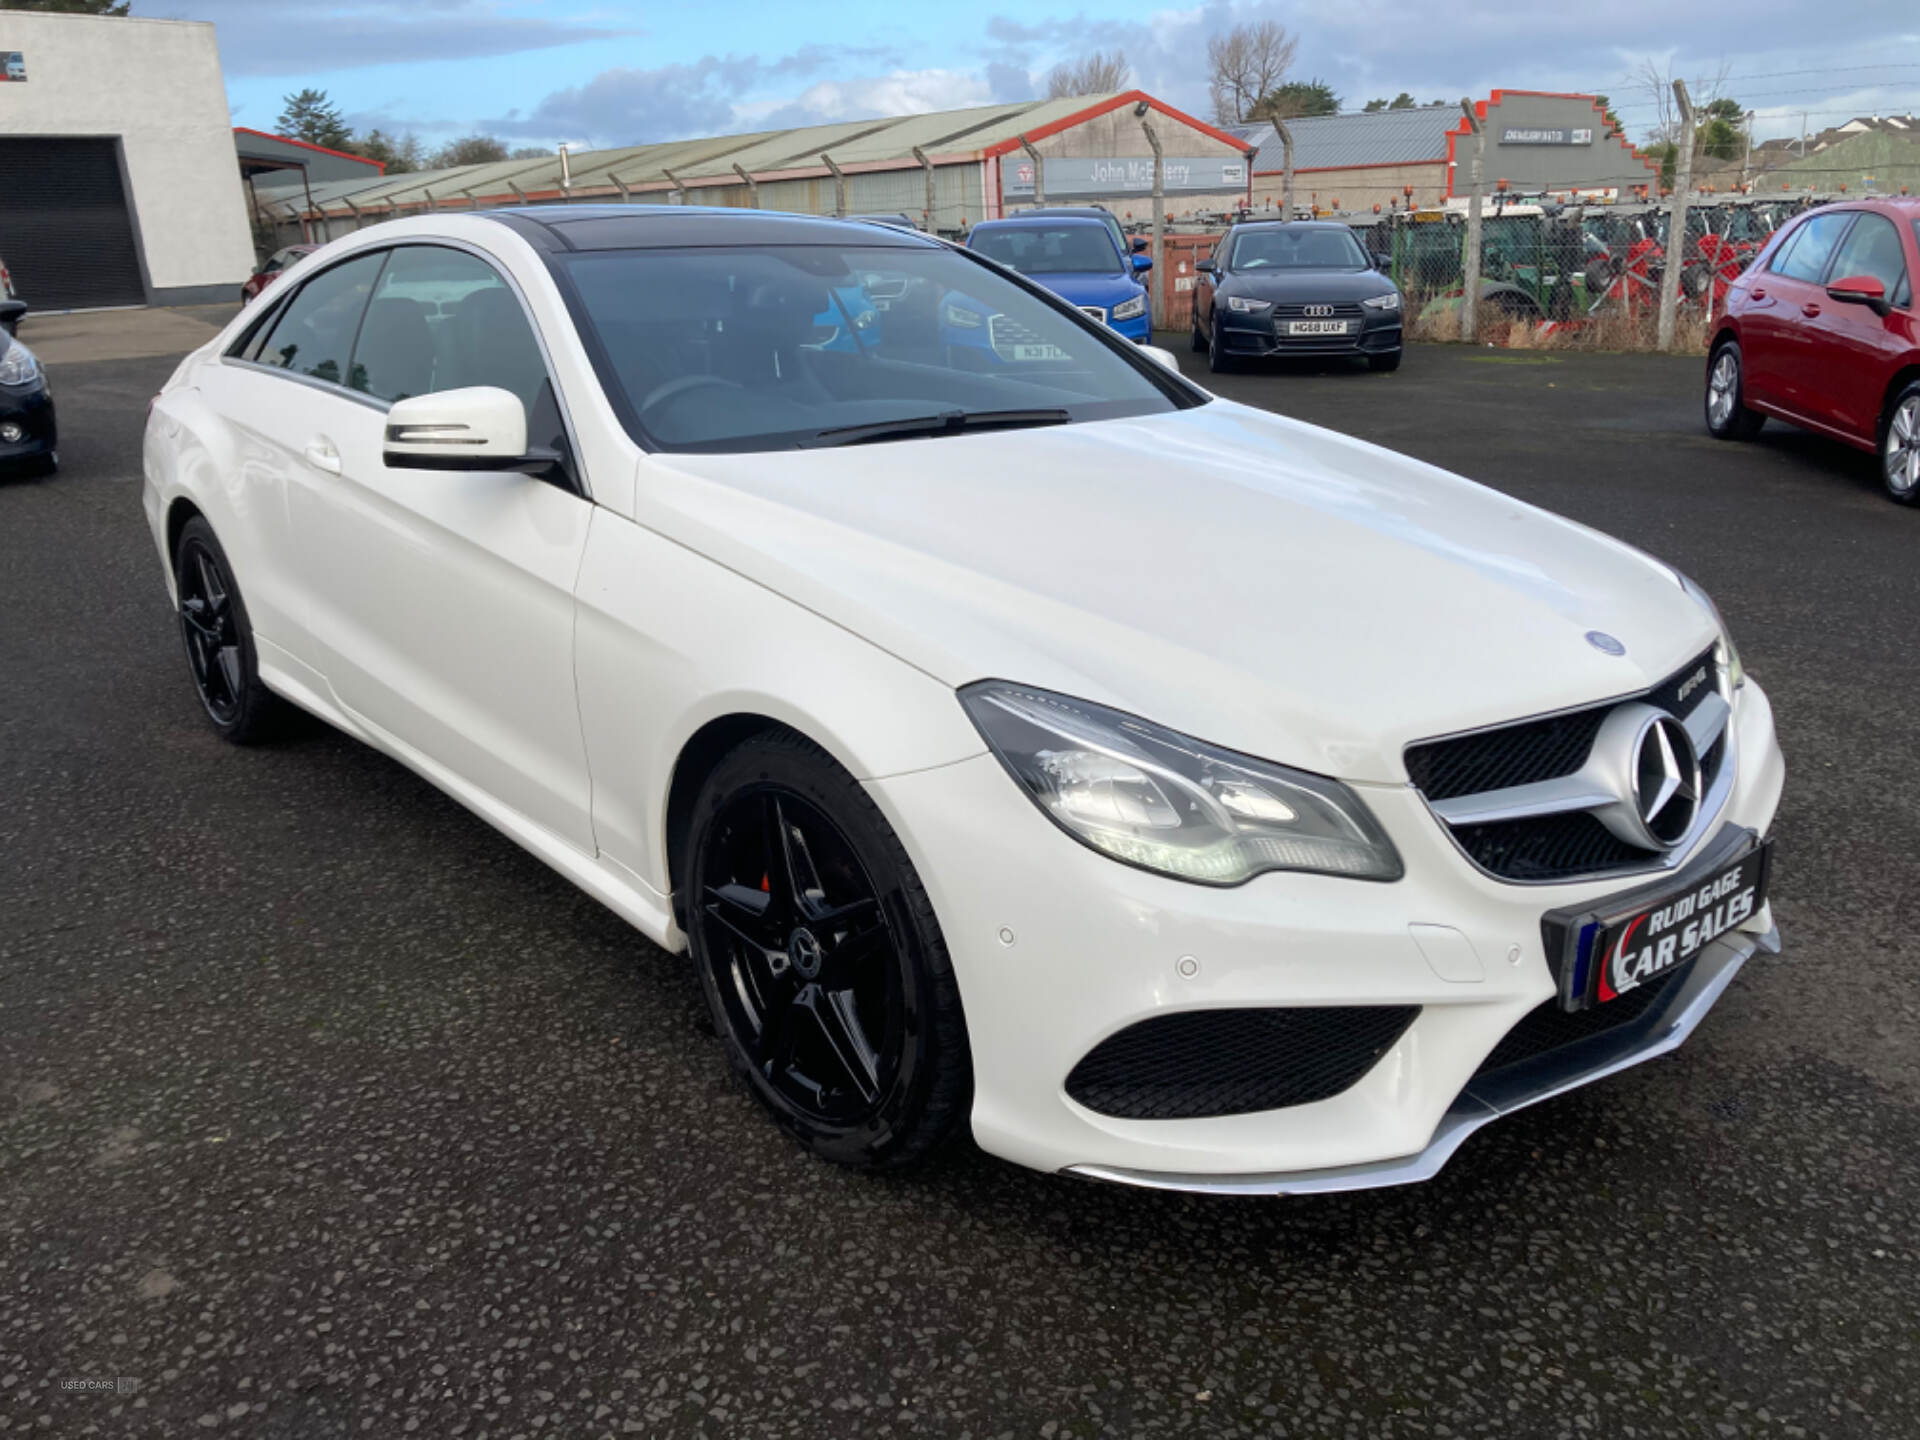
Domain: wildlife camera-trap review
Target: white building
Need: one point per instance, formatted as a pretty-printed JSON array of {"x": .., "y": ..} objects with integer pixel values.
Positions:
[{"x": 118, "y": 184}]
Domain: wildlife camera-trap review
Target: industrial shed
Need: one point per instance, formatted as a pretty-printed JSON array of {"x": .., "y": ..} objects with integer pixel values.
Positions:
[
  {"x": 1536, "y": 141},
  {"x": 117, "y": 178},
  {"x": 944, "y": 170}
]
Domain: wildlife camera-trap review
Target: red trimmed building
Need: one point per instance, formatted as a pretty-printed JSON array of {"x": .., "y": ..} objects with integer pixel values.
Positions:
[
  {"x": 1537, "y": 141},
  {"x": 945, "y": 170}
]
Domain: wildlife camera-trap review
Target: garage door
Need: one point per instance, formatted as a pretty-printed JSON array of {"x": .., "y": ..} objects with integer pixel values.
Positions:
[{"x": 64, "y": 228}]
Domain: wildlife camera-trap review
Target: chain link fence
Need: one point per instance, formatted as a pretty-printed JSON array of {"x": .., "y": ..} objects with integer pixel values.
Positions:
[{"x": 1558, "y": 271}]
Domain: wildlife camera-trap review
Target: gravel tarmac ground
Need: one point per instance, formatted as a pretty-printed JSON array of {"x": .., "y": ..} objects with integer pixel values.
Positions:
[{"x": 325, "y": 1111}]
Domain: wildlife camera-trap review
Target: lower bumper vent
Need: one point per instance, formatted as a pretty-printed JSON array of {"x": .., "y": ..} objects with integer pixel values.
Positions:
[
  {"x": 1547, "y": 1028},
  {"x": 1202, "y": 1063}
]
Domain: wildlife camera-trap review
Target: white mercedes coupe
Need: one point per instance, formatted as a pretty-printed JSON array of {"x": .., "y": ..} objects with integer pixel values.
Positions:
[{"x": 1017, "y": 737}]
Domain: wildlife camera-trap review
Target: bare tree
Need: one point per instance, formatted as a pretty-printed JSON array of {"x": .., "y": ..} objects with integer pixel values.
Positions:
[
  {"x": 1244, "y": 64},
  {"x": 1654, "y": 80},
  {"x": 1095, "y": 74}
]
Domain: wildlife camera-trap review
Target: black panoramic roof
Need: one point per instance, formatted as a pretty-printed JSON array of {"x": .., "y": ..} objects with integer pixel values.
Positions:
[{"x": 659, "y": 227}]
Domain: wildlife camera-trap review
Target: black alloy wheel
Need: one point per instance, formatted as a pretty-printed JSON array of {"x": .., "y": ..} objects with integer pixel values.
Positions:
[
  {"x": 821, "y": 960},
  {"x": 1196, "y": 341},
  {"x": 219, "y": 641}
]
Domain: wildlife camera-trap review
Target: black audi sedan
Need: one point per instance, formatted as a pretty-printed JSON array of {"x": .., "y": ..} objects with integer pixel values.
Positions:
[
  {"x": 1294, "y": 287},
  {"x": 28, "y": 440}
]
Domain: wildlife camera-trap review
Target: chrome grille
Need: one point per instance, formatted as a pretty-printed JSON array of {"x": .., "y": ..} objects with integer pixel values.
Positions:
[
  {"x": 1531, "y": 802},
  {"x": 1322, "y": 310}
]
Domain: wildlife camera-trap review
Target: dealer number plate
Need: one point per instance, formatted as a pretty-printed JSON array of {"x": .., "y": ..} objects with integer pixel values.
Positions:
[{"x": 1613, "y": 952}]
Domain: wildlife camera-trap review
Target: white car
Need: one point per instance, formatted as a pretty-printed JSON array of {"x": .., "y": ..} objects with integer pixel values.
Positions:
[{"x": 1017, "y": 737}]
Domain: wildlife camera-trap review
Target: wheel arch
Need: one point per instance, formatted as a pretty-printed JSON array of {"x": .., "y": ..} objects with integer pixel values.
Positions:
[
  {"x": 699, "y": 754},
  {"x": 1902, "y": 378},
  {"x": 179, "y": 512}
]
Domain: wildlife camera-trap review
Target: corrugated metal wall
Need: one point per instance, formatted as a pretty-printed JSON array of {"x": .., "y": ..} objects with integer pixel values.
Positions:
[{"x": 958, "y": 200}]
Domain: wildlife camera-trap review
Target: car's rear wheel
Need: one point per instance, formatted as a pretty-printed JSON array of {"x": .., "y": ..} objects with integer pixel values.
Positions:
[
  {"x": 219, "y": 640},
  {"x": 1728, "y": 418},
  {"x": 1900, "y": 447},
  {"x": 821, "y": 959}
]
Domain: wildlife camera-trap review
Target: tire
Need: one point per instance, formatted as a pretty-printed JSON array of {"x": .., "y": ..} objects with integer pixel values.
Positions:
[
  {"x": 834, "y": 995},
  {"x": 1218, "y": 360},
  {"x": 1900, "y": 447},
  {"x": 1727, "y": 417},
  {"x": 1196, "y": 340},
  {"x": 1384, "y": 364},
  {"x": 218, "y": 639}
]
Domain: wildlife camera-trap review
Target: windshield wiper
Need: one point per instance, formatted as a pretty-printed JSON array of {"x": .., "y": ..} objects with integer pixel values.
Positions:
[{"x": 947, "y": 422}]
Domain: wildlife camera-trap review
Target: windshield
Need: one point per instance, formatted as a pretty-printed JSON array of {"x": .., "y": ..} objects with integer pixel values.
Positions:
[
  {"x": 1296, "y": 250},
  {"x": 777, "y": 347},
  {"x": 1084, "y": 249}
]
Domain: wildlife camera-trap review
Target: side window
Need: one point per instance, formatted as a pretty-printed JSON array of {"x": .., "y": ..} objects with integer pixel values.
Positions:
[
  {"x": 1806, "y": 253},
  {"x": 443, "y": 319},
  {"x": 1872, "y": 247},
  {"x": 314, "y": 334}
]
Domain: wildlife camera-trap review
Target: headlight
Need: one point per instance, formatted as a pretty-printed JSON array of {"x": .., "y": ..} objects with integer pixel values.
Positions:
[
  {"x": 1248, "y": 307},
  {"x": 963, "y": 318},
  {"x": 1164, "y": 802},
  {"x": 17, "y": 365},
  {"x": 1726, "y": 658},
  {"x": 1127, "y": 309},
  {"x": 1383, "y": 302}
]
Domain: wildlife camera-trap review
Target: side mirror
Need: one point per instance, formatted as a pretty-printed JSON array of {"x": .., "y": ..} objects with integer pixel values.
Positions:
[
  {"x": 1861, "y": 290},
  {"x": 480, "y": 428},
  {"x": 1207, "y": 267},
  {"x": 1165, "y": 357},
  {"x": 1142, "y": 263},
  {"x": 1139, "y": 243},
  {"x": 12, "y": 312}
]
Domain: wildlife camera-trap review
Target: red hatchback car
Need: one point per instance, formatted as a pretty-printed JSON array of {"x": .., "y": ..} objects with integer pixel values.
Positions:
[
  {"x": 1822, "y": 330},
  {"x": 263, "y": 277}
]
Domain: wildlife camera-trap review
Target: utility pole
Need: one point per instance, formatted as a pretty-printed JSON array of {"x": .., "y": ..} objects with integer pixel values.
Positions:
[
  {"x": 1677, "y": 219},
  {"x": 926, "y": 165},
  {"x": 1286, "y": 167},
  {"x": 1159, "y": 208},
  {"x": 1039, "y": 171},
  {"x": 1746, "y": 160},
  {"x": 1470, "y": 261}
]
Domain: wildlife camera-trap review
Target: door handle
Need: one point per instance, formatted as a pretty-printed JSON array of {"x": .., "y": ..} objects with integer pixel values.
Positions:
[
  {"x": 322, "y": 455},
  {"x": 1809, "y": 310}
]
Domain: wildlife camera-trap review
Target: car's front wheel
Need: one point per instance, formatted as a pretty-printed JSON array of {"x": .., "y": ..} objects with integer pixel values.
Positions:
[
  {"x": 1900, "y": 447},
  {"x": 1728, "y": 418},
  {"x": 1196, "y": 339},
  {"x": 822, "y": 962},
  {"x": 219, "y": 639},
  {"x": 1218, "y": 360}
]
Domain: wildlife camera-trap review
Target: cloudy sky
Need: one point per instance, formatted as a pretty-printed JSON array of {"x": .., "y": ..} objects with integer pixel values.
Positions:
[{"x": 608, "y": 73}]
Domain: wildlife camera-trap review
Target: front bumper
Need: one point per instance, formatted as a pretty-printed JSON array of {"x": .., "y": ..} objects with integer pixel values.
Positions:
[
  {"x": 1264, "y": 335},
  {"x": 1138, "y": 329},
  {"x": 1057, "y": 948},
  {"x": 29, "y": 407}
]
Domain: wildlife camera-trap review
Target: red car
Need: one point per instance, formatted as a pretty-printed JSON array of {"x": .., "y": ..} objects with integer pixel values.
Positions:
[
  {"x": 1822, "y": 330},
  {"x": 281, "y": 260}
]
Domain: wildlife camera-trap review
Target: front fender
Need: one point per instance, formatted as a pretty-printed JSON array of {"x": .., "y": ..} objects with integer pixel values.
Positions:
[{"x": 667, "y": 641}]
